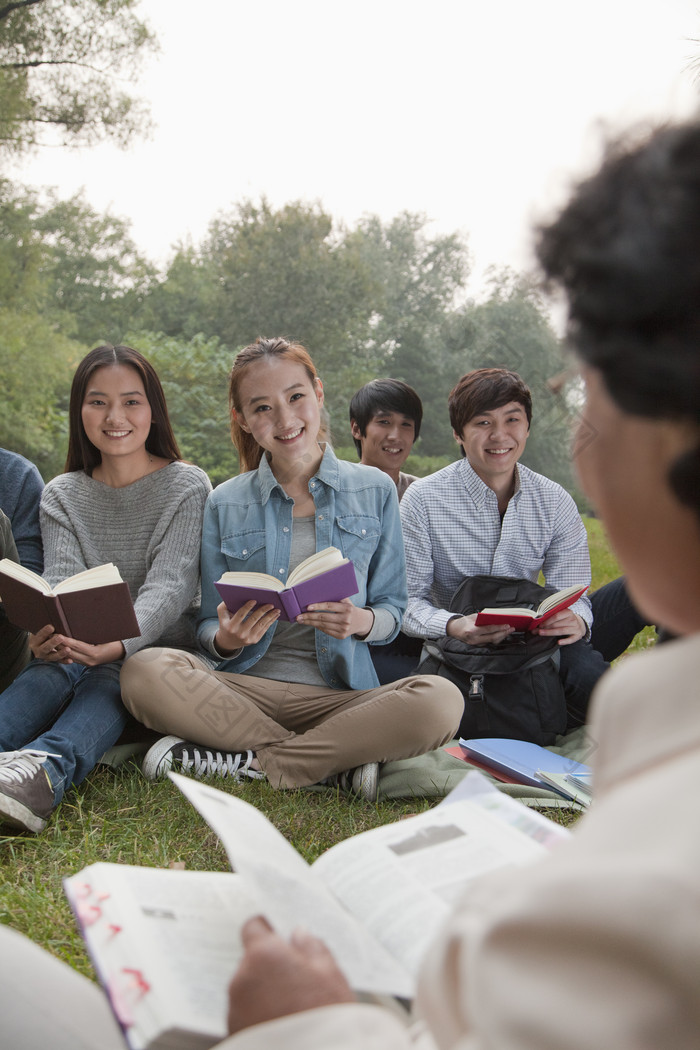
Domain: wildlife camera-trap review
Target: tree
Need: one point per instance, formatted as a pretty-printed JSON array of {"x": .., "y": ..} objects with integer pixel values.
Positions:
[
  {"x": 179, "y": 305},
  {"x": 22, "y": 254},
  {"x": 286, "y": 272},
  {"x": 61, "y": 62},
  {"x": 195, "y": 379},
  {"x": 417, "y": 280},
  {"x": 95, "y": 277},
  {"x": 37, "y": 365},
  {"x": 64, "y": 260}
]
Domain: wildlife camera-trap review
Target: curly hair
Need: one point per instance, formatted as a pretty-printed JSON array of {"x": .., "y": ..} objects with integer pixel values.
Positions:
[{"x": 626, "y": 252}]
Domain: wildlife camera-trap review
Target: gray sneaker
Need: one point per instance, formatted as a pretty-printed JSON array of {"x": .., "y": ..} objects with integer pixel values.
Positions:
[
  {"x": 26, "y": 795},
  {"x": 172, "y": 752},
  {"x": 362, "y": 781}
]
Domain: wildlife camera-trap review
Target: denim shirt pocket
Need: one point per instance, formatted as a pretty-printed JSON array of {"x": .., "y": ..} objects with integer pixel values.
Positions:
[
  {"x": 245, "y": 551},
  {"x": 359, "y": 537}
]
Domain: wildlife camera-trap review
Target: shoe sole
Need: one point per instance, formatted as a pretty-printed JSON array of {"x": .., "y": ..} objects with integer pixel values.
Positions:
[
  {"x": 17, "y": 815},
  {"x": 153, "y": 767},
  {"x": 368, "y": 782}
]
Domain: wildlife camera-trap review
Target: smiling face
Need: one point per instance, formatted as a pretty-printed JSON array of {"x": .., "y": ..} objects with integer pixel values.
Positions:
[
  {"x": 281, "y": 409},
  {"x": 387, "y": 441},
  {"x": 494, "y": 441},
  {"x": 115, "y": 412}
]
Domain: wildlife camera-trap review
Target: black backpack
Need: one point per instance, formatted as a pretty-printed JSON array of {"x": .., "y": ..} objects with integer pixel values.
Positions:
[{"x": 511, "y": 689}]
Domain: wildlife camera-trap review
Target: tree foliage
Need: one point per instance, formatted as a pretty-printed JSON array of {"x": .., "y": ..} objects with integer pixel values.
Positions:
[
  {"x": 366, "y": 302},
  {"x": 36, "y": 364},
  {"x": 417, "y": 281},
  {"x": 62, "y": 258},
  {"x": 380, "y": 299},
  {"x": 62, "y": 63},
  {"x": 95, "y": 278},
  {"x": 194, "y": 374}
]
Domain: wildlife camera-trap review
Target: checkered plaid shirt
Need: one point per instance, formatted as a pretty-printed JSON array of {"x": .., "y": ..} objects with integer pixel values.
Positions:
[{"x": 452, "y": 529}]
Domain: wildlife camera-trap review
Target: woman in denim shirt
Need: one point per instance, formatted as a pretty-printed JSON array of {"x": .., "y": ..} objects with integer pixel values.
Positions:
[{"x": 296, "y": 703}]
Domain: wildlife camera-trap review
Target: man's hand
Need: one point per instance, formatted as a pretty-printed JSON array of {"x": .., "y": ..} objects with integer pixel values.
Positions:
[
  {"x": 568, "y": 626},
  {"x": 464, "y": 628},
  {"x": 277, "y": 977}
]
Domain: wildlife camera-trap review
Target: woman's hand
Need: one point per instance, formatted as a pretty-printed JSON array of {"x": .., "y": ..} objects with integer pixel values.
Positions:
[
  {"x": 339, "y": 619},
  {"x": 47, "y": 645},
  {"x": 244, "y": 627},
  {"x": 277, "y": 977}
]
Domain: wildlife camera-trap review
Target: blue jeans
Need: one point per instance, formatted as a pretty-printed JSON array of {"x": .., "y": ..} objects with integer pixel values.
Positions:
[{"x": 72, "y": 711}]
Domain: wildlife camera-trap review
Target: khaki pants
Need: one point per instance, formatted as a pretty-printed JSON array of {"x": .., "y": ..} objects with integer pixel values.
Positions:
[{"x": 300, "y": 734}]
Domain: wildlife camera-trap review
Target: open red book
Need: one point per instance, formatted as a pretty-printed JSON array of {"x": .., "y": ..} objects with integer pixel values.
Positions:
[
  {"x": 93, "y": 606},
  {"x": 525, "y": 619},
  {"x": 325, "y": 576}
]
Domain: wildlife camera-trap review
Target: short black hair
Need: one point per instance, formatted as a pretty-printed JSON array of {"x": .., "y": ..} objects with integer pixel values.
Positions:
[
  {"x": 483, "y": 390},
  {"x": 385, "y": 395}
]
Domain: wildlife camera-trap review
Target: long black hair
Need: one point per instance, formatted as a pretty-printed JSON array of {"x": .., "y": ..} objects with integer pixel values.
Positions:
[{"x": 82, "y": 454}]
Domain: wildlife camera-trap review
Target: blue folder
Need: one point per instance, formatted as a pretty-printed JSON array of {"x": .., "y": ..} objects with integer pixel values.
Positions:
[{"x": 520, "y": 759}]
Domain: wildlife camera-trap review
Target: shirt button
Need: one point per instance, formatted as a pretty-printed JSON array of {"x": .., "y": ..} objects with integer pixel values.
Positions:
[
  {"x": 281, "y": 572},
  {"x": 324, "y": 650},
  {"x": 320, "y": 517},
  {"x": 364, "y": 532},
  {"x": 245, "y": 552},
  {"x": 312, "y": 485},
  {"x": 285, "y": 529}
]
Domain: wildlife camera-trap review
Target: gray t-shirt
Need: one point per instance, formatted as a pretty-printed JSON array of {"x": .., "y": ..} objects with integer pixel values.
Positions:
[{"x": 150, "y": 529}]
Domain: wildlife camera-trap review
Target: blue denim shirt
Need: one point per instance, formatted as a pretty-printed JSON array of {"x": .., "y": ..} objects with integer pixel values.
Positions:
[{"x": 248, "y": 526}]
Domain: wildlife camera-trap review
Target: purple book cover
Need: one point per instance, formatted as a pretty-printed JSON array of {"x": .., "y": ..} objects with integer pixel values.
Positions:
[{"x": 330, "y": 586}]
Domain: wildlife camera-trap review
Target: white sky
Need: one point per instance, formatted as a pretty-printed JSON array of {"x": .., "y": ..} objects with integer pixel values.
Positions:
[{"x": 473, "y": 113}]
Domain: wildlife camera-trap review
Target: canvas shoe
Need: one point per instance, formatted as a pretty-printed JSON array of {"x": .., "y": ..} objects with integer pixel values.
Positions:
[
  {"x": 362, "y": 781},
  {"x": 26, "y": 795},
  {"x": 182, "y": 756}
]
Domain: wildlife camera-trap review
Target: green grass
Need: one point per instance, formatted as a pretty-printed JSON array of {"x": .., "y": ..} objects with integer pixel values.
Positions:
[{"x": 118, "y": 816}]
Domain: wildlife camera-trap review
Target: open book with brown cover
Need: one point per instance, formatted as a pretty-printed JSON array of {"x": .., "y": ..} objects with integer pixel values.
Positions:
[{"x": 94, "y": 606}]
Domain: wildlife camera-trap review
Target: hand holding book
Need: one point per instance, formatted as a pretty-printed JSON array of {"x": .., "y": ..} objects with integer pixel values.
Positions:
[
  {"x": 306, "y": 976},
  {"x": 93, "y": 606},
  {"x": 524, "y": 619},
  {"x": 326, "y": 576}
]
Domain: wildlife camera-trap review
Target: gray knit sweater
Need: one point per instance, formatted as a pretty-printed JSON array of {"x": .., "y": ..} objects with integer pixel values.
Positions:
[{"x": 150, "y": 529}]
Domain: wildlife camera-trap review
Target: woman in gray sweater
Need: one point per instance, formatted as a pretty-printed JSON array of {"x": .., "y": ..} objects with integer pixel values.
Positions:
[{"x": 127, "y": 498}]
